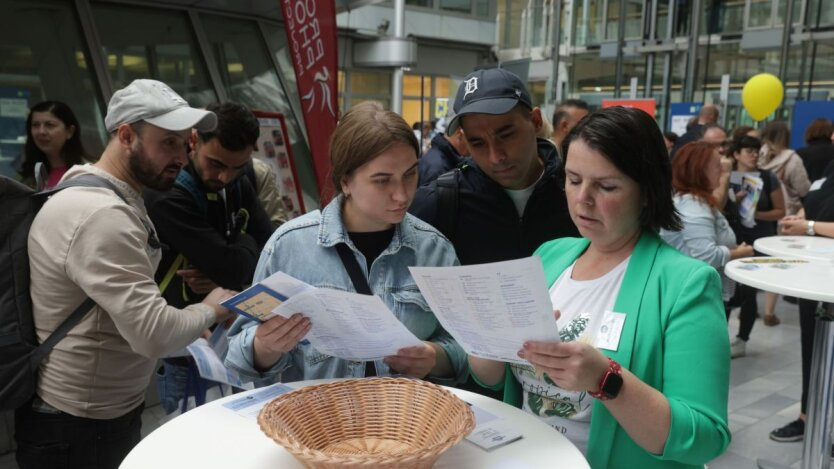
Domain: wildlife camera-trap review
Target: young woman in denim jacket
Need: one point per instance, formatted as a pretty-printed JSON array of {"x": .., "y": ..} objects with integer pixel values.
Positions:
[{"x": 373, "y": 153}]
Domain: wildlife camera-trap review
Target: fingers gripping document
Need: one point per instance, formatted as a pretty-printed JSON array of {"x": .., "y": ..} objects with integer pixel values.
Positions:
[
  {"x": 345, "y": 325},
  {"x": 491, "y": 309}
]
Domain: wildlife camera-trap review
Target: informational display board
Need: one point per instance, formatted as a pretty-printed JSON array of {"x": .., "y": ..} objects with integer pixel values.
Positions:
[
  {"x": 274, "y": 148},
  {"x": 679, "y": 115},
  {"x": 648, "y": 105},
  {"x": 804, "y": 112}
]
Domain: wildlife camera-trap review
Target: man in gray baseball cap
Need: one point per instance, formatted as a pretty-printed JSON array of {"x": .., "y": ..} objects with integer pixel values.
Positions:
[{"x": 94, "y": 240}]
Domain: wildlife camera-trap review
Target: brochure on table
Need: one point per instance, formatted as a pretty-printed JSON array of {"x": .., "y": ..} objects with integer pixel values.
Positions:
[
  {"x": 344, "y": 325},
  {"x": 491, "y": 309}
]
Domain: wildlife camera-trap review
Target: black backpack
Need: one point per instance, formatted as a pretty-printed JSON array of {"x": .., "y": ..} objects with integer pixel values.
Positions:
[{"x": 20, "y": 354}]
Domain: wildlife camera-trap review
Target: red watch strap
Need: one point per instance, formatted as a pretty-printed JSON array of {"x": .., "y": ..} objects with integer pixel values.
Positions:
[{"x": 613, "y": 369}]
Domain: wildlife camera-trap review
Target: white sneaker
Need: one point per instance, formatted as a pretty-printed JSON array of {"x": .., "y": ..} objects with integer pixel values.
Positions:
[{"x": 738, "y": 348}]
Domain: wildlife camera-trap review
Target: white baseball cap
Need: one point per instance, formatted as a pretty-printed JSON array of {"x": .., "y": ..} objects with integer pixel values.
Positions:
[{"x": 156, "y": 103}]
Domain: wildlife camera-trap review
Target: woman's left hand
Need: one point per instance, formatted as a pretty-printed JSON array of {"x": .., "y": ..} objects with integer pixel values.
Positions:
[
  {"x": 574, "y": 366},
  {"x": 414, "y": 361}
]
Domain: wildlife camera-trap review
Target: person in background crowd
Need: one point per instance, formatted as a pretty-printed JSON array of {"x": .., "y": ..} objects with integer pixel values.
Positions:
[
  {"x": 819, "y": 150},
  {"x": 777, "y": 157},
  {"x": 53, "y": 145},
  {"x": 631, "y": 398},
  {"x": 90, "y": 242},
  {"x": 374, "y": 158},
  {"x": 817, "y": 219},
  {"x": 212, "y": 228},
  {"x": 708, "y": 115},
  {"x": 567, "y": 114},
  {"x": 769, "y": 208},
  {"x": 669, "y": 138},
  {"x": 262, "y": 178},
  {"x": 743, "y": 130},
  {"x": 445, "y": 154},
  {"x": 706, "y": 233}
]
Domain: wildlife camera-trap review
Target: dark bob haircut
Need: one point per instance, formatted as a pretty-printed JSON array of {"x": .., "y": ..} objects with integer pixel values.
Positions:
[
  {"x": 631, "y": 140},
  {"x": 73, "y": 150}
]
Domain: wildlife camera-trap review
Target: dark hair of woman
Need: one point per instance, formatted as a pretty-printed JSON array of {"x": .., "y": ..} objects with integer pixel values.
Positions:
[
  {"x": 631, "y": 140},
  {"x": 72, "y": 152}
]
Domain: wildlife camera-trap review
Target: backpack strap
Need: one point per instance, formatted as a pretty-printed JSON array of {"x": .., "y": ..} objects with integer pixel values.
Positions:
[
  {"x": 43, "y": 349},
  {"x": 447, "y": 203},
  {"x": 360, "y": 283},
  {"x": 187, "y": 182}
]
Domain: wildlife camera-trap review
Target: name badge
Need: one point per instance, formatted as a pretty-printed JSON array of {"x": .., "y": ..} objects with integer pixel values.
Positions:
[{"x": 608, "y": 335}]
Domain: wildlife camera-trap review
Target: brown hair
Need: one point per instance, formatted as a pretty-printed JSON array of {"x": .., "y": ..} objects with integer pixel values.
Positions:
[
  {"x": 364, "y": 132},
  {"x": 777, "y": 136},
  {"x": 689, "y": 174},
  {"x": 819, "y": 129}
]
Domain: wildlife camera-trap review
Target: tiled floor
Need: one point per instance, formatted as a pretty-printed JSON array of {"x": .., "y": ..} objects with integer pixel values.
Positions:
[{"x": 764, "y": 394}]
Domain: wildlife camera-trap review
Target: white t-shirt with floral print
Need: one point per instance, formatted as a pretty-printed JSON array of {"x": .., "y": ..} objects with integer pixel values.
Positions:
[{"x": 583, "y": 305}]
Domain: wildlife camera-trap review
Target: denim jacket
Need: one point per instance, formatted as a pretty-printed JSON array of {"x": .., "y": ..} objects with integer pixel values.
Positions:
[{"x": 305, "y": 249}]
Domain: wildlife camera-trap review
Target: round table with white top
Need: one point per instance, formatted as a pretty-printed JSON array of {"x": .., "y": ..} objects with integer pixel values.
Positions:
[
  {"x": 811, "y": 277},
  {"x": 803, "y": 247},
  {"x": 214, "y": 436}
]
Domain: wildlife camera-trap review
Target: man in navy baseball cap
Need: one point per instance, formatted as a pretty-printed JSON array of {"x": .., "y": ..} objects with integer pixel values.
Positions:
[{"x": 508, "y": 198}]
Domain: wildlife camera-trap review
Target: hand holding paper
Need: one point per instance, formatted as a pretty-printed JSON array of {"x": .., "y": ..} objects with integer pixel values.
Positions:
[{"x": 491, "y": 309}]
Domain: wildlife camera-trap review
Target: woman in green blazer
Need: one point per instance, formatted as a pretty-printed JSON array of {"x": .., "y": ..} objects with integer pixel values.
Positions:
[{"x": 640, "y": 377}]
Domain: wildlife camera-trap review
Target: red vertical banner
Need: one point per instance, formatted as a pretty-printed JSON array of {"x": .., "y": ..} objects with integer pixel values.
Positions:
[{"x": 311, "y": 31}]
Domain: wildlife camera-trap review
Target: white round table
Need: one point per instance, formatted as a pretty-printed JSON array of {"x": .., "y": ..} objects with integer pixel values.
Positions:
[
  {"x": 212, "y": 436},
  {"x": 813, "y": 279},
  {"x": 803, "y": 247},
  {"x": 809, "y": 279}
]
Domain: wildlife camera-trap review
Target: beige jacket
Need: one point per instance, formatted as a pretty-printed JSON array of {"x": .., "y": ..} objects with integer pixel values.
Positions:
[
  {"x": 88, "y": 242},
  {"x": 267, "y": 188},
  {"x": 790, "y": 170}
]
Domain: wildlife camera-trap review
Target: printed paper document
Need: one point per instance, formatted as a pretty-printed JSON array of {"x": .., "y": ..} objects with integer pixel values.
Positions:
[
  {"x": 491, "y": 309},
  {"x": 345, "y": 325}
]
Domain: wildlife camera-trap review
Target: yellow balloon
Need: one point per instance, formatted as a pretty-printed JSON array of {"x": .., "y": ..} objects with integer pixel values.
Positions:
[{"x": 761, "y": 95}]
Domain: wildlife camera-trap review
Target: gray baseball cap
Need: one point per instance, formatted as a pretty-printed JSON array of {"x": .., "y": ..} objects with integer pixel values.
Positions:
[
  {"x": 156, "y": 103},
  {"x": 488, "y": 91}
]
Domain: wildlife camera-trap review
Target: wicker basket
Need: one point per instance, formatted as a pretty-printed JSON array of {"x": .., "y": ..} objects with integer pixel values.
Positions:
[{"x": 371, "y": 422}]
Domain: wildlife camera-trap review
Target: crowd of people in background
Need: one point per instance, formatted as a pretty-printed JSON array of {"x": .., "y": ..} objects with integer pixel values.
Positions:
[{"x": 626, "y": 219}]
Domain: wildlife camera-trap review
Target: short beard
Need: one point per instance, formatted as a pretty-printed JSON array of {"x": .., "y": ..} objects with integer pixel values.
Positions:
[{"x": 143, "y": 171}]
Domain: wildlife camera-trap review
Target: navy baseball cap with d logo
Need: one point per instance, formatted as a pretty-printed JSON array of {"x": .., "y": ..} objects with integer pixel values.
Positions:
[{"x": 488, "y": 91}]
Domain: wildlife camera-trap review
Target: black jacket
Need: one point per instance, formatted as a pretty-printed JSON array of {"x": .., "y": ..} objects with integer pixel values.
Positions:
[
  {"x": 487, "y": 227},
  {"x": 693, "y": 134},
  {"x": 816, "y": 156},
  {"x": 441, "y": 158},
  {"x": 210, "y": 234}
]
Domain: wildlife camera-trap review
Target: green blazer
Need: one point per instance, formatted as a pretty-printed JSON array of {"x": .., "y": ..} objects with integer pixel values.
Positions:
[{"x": 674, "y": 339}]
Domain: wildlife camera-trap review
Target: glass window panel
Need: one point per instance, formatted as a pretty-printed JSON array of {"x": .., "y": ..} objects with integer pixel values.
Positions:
[
  {"x": 822, "y": 11},
  {"x": 442, "y": 87},
  {"x": 285, "y": 101},
  {"x": 458, "y": 6},
  {"x": 419, "y": 3},
  {"x": 782, "y": 8},
  {"x": 612, "y": 18},
  {"x": 411, "y": 85},
  {"x": 154, "y": 44},
  {"x": 588, "y": 23},
  {"x": 362, "y": 82},
  {"x": 411, "y": 111},
  {"x": 509, "y": 16},
  {"x": 42, "y": 58},
  {"x": 759, "y": 13},
  {"x": 634, "y": 19},
  {"x": 482, "y": 8}
]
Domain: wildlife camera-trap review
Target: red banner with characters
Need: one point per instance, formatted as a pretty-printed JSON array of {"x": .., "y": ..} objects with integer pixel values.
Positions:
[{"x": 311, "y": 31}]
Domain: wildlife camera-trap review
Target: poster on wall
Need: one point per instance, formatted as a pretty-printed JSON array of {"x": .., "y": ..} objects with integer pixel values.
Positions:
[
  {"x": 647, "y": 105},
  {"x": 680, "y": 114},
  {"x": 274, "y": 148}
]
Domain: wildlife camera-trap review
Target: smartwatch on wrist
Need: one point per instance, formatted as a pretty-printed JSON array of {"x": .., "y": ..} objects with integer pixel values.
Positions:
[
  {"x": 610, "y": 384},
  {"x": 810, "y": 229}
]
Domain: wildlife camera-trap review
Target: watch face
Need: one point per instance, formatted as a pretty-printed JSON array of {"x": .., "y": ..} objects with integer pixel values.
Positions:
[{"x": 613, "y": 384}]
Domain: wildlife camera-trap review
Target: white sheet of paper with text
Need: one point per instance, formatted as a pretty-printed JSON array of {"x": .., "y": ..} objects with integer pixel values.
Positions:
[
  {"x": 349, "y": 325},
  {"x": 491, "y": 309}
]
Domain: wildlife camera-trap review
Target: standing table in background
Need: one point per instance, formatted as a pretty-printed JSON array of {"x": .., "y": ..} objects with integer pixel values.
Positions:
[{"x": 812, "y": 279}]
